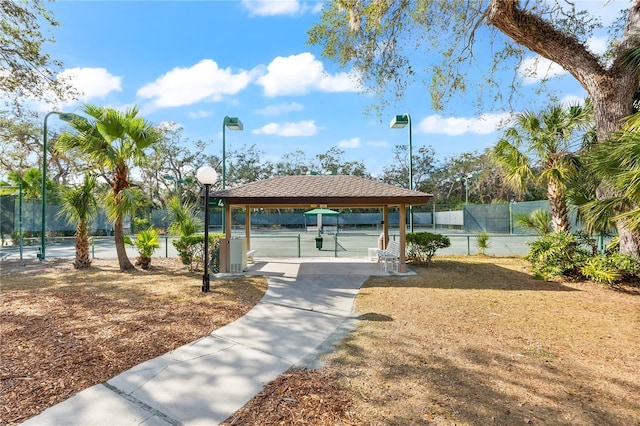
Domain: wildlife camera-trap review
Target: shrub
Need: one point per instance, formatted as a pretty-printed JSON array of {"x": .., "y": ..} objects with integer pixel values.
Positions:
[
  {"x": 556, "y": 254},
  {"x": 147, "y": 242},
  {"x": 423, "y": 245},
  {"x": 609, "y": 268},
  {"x": 191, "y": 248},
  {"x": 482, "y": 242},
  {"x": 562, "y": 254}
]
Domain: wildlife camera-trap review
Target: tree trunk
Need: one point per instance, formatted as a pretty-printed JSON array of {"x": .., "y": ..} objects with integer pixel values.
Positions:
[
  {"x": 83, "y": 258},
  {"x": 123, "y": 259},
  {"x": 558, "y": 206},
  {"x": 611, "y": 87}
]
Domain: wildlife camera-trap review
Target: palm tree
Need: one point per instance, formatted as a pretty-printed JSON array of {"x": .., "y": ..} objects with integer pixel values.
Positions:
[
  {"x": 184, "y": 221},
  {"x": 114, "y": 141},
  {"x": 79, "y": 205},
  {"x": 617, "y": 163},
  {"x": 540, "y": 147}
]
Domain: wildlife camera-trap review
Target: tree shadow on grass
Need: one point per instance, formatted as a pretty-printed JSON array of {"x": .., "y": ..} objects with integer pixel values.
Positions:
[
  {"x": 447, "y": 274},
  {"x": 481, "y": 385}
]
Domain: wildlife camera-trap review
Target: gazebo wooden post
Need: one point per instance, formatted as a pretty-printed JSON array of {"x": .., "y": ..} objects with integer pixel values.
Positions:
[
  {"x": 247, "y": 225},
  {"x": 224, "y": 259},
  {"x": 402, "y": 267},
  {"x": 385, "y": 225}
]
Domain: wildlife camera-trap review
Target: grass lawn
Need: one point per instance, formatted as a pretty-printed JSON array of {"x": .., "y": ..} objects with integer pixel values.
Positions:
[{"x": 474, "y": 341}]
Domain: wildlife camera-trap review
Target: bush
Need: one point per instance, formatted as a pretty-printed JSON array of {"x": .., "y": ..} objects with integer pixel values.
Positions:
[
  {"x": 556, "y": 254},
  {"x": 147, "y": 242},
  {"x": 191, "y": 248},
  {"x": 482, "y": 241},
  {"x": 609, "y": 268},
  {"x": 423, "y": 245},
  {"x": 562, "y": 254}
]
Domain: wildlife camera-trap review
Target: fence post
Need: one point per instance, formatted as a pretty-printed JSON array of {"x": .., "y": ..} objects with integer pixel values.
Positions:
[
  {"x": 600, "y": 244},
  {"x": 166, "y": 246},
  {"x": 468, "y": 245},
  {"x": 433, "y": 218},
  {"x": 510, "y": 219}
]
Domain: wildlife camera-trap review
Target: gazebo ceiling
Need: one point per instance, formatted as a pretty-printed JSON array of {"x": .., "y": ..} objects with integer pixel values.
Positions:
[{"x": 326, "y": 191}]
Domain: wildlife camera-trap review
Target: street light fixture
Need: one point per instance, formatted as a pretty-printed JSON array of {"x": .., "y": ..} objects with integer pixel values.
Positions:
[
  {"x": 233, "y": 123},
  {"x": 399, "y": 122},
  {"x": 207, "y": 176},
  {"x": 466, "y": 185},
  {"x": 64, "y": 116}
]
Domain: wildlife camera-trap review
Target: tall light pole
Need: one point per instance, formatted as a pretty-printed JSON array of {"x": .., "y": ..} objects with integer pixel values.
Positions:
[
  {"x": 207, "y": 176},
  {"x": 64, "y": 116},
  {"x": 466, "y": 185},
  {"x": 399, "y": 122},
  {"x": 233, "y": 123}
]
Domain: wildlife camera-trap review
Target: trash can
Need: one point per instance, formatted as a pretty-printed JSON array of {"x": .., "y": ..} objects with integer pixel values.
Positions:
[{"x": 319, "y": 242}]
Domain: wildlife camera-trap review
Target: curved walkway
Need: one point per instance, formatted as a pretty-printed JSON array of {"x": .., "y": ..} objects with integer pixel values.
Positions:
[{"x": 308, "y": 301}]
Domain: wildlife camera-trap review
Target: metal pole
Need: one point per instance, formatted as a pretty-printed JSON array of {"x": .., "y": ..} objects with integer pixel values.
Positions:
[
  {"x": 224, "y": 171},
  {"x": 20, "y": 219},
  {"x": 410, "y": 172},
  {"x": 205, "y": 277},
  {"x": 41, "y": 255},
  {"x": 466, "y": 190}
]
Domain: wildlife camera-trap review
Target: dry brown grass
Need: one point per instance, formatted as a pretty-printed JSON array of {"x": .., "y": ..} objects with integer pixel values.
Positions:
[
  {"x": 64, "y": 330},
  {"x": 471, "y": 341},
  {"x": 475, "y": 341}
]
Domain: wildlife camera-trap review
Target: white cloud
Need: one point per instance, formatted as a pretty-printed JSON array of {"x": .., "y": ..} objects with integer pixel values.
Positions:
[
  {"x": 92, "y": 83},
  {"x": 349, "y": 143},
  {"x": 454, "y": 126},
  {"x": 186, "y": 86},
  {"x": 536, "y": 68},
  {"x": 597, "y": 45},
  {"x": 278, "y": 109},
  {"x": 201, "y": 113},
  {"x": 273, "y": 7},
  {"x": 301, "y": 128},
  {"x": 301, "y": 74},
  {"x": 571, "y": 99}
]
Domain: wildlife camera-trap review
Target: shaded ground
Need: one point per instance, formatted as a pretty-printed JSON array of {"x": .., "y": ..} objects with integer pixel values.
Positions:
[
  {"x": 473, "y": 341},
  {"x": 65, "y": 330}
]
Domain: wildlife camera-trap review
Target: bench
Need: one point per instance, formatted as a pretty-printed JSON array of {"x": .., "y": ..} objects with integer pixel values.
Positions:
[
  {"x": 391, "y": 254},
  {"x": 250, "y": 255}
]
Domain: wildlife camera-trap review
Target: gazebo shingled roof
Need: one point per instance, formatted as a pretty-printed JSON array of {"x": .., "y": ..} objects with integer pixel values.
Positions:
[{"x": 319, "y": 190}]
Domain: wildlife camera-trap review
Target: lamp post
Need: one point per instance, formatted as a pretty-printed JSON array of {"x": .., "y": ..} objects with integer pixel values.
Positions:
[
  {"x": 233, "y": 123},
  {"x": 399, "y": 122},
  {"x": 207, "y": 176},
  {"x": 466, "y": 185},
  {"x": 64, "y": 116}
]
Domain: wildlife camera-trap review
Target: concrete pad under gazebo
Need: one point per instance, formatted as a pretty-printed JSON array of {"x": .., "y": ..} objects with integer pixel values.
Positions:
[{"x": 317, "y": 191}]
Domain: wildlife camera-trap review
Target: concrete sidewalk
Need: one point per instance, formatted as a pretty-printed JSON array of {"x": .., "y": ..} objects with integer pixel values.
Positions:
[{"x": 308, "y": 302}]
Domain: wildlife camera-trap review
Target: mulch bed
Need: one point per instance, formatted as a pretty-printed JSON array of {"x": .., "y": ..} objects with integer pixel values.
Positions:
[{"x": 65, "y": 330}]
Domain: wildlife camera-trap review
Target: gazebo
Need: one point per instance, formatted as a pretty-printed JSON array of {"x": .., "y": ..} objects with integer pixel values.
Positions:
[{"x": 316, "y": 191}]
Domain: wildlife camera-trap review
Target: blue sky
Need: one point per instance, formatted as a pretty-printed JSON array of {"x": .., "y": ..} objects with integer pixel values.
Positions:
[{"x": 194, "y": 62}]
